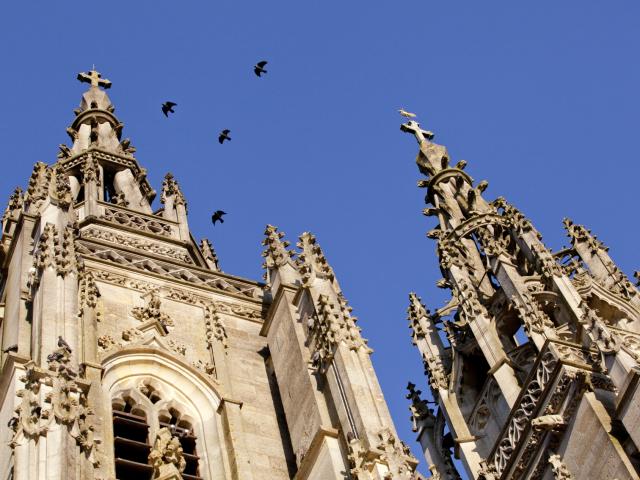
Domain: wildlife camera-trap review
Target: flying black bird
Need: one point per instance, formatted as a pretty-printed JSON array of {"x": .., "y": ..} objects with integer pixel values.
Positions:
[
  {"x": 217, "y": 215},
  {"x": 63, "y": 344},
  {"x": 224, "y": 135},
  {"x": 11, "y": 348},
  {"x": 168, "y": 107},
  {"x": 259, "y": 68}
]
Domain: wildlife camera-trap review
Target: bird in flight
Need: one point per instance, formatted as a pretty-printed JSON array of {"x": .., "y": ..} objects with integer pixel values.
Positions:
[
  {"x": 168, "y": 107},
  {"x": 224, "y": 135},
  {"x": 217, "y": 216},
  {"x": 406, "y": 114},
  {"x": 259, "y": 68}
]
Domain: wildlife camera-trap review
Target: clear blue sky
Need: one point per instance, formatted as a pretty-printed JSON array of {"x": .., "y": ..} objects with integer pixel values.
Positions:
[{"x": 540, "y": 97}]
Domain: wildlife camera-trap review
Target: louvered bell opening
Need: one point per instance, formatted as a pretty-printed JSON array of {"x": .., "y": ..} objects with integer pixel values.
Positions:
[
  {"x": 131, "y": 442},
  {"x": 184, "y": 431}
]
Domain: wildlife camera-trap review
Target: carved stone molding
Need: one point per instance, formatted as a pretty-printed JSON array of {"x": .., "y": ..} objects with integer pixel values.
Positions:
[
  {"x": 179, "y": 295},
  {"x": 136, "y": 221},
  {"x": 522, "y": 415},
  {"x": 182, "y": 273},
  {"x": 54, "y": 395}
]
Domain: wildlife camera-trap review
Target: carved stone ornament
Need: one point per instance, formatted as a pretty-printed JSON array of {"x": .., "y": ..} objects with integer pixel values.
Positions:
[
  {"x": 535, "y": 320},
  {"x": 151, "y": 312},
  {"x": 68, "y": 404},
  {"x": 62, "y": 190},
  {"x": 88, "y": 292},
  {"x": 438, "y": 377},
  {"x": 275, "y": 252},
  {"x": 620, "y": 284},
  {"x": 209, "y": 253},
  {"x": 421, "y": 414},
  {"x": 329, "y": 327},
  {"x": 559, "y": 469},
  {"x": 519, "y": 420},
  {"x": 416, "y": 312},
  {"x": 166, "y": 455},
  {"x": 214, "y": 326},
  {"x": 119, "y": 238},
  {"x": 396, "y": 455},
  {"x": 312, "y": 262},
  {"x": 38, "y": 187},
  {"x": 15, "y": 205},
  {"x": 137, "y": 221},
  {"x": 468, "y": 300},
  {"x": 604, "y": 338},
  {"x": 91, "y": 170},
  {"x": 55, "y": 250},
  {"x": 184, "y": 296},
  {"x": 170, "y": 188}
]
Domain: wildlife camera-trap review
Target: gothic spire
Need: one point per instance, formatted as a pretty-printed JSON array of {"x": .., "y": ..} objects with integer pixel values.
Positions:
[
  {"x": 95, "y": 124},
  {"x": 311, "y": 262}
]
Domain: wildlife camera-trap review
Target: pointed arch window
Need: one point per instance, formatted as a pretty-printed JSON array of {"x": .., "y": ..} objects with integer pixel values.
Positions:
[
  {"x": 130, "y": 440},
  {"x": 138, "y": 414}
]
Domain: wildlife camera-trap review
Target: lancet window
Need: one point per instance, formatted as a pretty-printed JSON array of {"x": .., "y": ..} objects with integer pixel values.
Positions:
[{"x": 138, "y": 414}]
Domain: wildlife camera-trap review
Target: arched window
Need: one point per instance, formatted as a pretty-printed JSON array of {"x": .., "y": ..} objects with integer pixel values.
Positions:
[
  {"x": 130, "y": 439},
  {"x": 138, "y": 414},
  {"x": 161, "y": 391}
]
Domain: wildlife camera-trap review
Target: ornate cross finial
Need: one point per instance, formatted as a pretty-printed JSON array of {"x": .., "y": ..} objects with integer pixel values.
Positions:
[
  {"x": 414, "y": 128},
  {"x": 94, "y": 78}
]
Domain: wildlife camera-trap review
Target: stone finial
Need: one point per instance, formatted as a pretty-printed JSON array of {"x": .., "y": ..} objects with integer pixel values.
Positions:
[
  {"x": 275, "y": 252},
  {"x": 209, "y": 254},
  {"x": 167, "y": 456},
  {"x": 416, "y": 311},
  {"x": 311, "y": 262},
  {"x": 15, "y": 205},
  {"x": 420, "y": 411},
  {"x": 38, "y": 187},
  {"x": 171, "y": 188},
  {"x": 94, "y": 78},
  {"x": 636, "y": 275},
  {"x": 579, "y": 234}
]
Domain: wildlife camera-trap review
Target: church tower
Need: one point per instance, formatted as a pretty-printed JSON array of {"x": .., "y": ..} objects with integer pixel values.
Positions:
[
  {"x": 533, "y": 362},
  {"x": 128, "y": 354}
]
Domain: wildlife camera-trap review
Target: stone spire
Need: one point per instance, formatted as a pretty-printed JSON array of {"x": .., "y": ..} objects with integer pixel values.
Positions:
[
  {"x": 95, "y": 124},
  {"x": 278, "y": 260},
  {"x": 515, "y": 304},
  {"x": 312, "y": 263}
]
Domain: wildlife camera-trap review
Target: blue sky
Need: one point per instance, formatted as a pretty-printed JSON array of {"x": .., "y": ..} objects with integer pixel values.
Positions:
[{"x": 541, "y": 98}]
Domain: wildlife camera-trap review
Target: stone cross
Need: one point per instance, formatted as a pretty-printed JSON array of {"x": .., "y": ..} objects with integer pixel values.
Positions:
[
  {"x": 414, "y": 128},
  {"x": 94, "y": 78}
]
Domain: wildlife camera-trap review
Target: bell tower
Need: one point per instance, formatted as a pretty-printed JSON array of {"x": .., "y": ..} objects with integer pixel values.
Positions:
[{"x": 127, "y": 353}]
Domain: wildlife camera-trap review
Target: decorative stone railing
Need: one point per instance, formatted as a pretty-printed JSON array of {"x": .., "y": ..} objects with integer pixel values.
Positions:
[{"x": 551, "y": 392}]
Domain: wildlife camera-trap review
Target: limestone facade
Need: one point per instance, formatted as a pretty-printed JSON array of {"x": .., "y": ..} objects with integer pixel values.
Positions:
[
  {"x": 533, "y": 362},
  {"x": 128, "y": 353}
]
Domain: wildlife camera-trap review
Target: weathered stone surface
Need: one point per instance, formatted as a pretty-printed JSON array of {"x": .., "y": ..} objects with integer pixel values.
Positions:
[{"x": 538, "y": 377}]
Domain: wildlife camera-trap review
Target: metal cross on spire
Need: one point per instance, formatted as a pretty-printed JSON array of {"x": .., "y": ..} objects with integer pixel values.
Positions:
[{"x": 94, "y": 78}]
